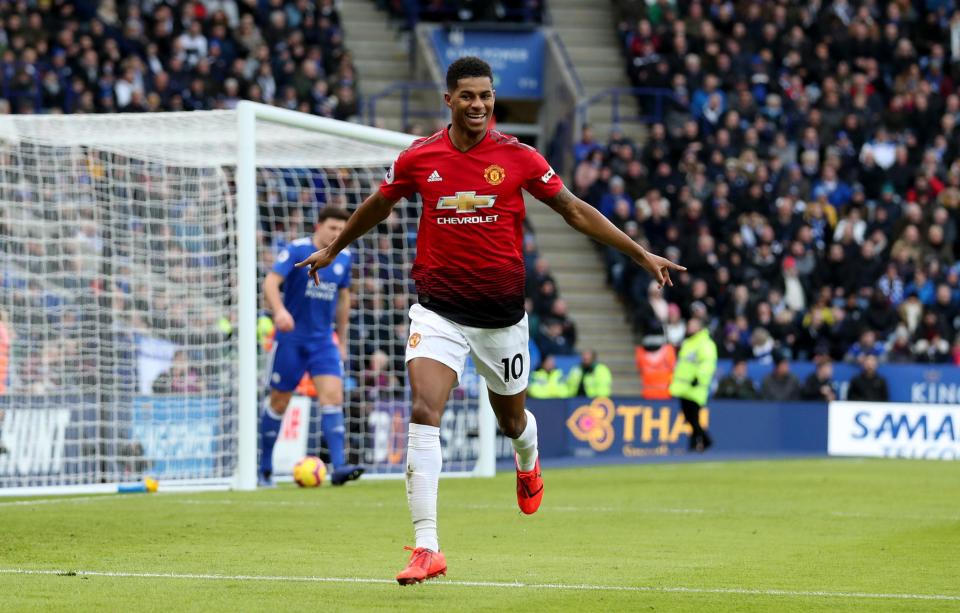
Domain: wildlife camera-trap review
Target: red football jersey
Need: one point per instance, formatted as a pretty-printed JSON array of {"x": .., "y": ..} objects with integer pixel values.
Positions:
[{"x": 469, "y": 265}]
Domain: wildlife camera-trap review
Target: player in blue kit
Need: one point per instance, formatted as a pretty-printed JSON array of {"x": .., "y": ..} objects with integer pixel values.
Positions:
[{"x": 304, "y": 319}]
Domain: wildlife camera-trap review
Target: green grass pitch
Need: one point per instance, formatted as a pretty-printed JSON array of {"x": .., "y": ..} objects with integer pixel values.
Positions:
[{"x": 799, "y": 535}]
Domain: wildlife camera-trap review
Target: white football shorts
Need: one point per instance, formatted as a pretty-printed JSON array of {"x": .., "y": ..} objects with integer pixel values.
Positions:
[{"x": 501, "y": 355}]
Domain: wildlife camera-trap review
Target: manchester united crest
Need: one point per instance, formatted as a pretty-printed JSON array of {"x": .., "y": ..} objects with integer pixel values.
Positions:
[
  {"x": 494, "y": 174},
  {"x": 414, "y": 339}
]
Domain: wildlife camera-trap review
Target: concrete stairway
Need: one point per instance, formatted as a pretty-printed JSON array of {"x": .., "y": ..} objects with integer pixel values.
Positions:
[
  {"x": 380, "y": 56},
  {"x": 581, "y": 279},
  {"x": 588, "y": 30}
]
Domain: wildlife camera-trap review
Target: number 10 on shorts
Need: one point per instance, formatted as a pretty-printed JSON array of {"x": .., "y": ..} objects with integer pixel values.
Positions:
[{"x": 512, "y": 367}]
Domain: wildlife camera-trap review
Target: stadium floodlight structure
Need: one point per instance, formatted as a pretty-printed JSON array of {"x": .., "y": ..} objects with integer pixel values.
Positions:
[{"x": 133, "y": 250}]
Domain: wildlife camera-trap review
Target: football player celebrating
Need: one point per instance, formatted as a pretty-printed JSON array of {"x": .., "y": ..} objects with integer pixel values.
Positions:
[{"x": 469, "y": 276}]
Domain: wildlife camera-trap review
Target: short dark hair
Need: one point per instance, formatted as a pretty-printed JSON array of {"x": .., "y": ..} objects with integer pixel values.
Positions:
[
  {"x": 465, "y": 68},
  {"x": 332, "y": 212}
]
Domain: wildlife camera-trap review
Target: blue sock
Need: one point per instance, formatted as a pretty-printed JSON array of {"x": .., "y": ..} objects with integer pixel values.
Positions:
[
  {"x": 269, "y": 431},
  {"x": 331, "y": 423}
]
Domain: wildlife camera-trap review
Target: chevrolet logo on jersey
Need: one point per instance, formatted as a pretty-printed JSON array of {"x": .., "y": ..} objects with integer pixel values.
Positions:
[{"x": 466, "y": 202}]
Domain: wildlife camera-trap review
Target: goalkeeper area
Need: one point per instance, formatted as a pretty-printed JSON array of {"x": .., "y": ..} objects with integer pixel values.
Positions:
[
  {"x": 134, "y": 248},
  {"x": 792, "y": 535}
]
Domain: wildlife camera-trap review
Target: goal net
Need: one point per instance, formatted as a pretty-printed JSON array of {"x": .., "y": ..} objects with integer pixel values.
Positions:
[{"x": 133, "y": 337}]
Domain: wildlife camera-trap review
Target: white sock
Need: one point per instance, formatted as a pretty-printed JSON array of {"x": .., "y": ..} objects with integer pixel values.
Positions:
[
  {"x": 424, "y": 461},
  {"x": 526, "y": 444}
]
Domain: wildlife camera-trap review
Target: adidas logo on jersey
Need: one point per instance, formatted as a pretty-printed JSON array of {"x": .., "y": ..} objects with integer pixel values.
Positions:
[{"x": 434, "y": 177}]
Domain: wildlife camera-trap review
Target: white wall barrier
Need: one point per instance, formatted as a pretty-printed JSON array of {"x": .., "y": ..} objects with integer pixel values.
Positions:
[{"x": 894, "y": 430}]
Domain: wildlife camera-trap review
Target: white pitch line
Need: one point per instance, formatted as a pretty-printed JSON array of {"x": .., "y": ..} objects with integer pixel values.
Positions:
[
  {"x": 492, "y": 584},
  {"x": 551, "y": 508},
  {"x": 39, "y": 501},
  {"x": 170, "y": 497},
  {"x": 855, "y": 515},
  {"x": 451, "y": 505}
]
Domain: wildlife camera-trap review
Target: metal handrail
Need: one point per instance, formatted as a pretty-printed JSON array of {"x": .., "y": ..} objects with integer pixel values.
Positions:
[
  {"x": 578, "y": 84},
  {"x": 614, "y": 93},
  {"x": 406, "y": 88}
]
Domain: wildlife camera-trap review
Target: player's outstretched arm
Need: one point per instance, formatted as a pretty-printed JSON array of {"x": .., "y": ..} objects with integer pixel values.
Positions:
[
  {"x": 585, "y": 219},
  {"x": 373, "y": 210}
]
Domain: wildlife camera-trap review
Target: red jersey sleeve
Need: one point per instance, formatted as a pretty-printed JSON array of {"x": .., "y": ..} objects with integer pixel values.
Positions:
[
  {"x": 398, "y": 182},
  {"x": 542, "y": 182}
]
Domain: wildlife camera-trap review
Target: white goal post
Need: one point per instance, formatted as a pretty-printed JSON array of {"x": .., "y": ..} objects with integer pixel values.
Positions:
[{"x": 133, "y": 340}]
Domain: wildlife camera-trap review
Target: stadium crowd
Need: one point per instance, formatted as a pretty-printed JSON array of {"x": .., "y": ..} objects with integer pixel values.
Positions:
[
  {"x": 149, "y": 55},
  {"x": 409, "y": 12},
  {"x": 89, "y": 56},
  {"x": 805, "y": 169}
]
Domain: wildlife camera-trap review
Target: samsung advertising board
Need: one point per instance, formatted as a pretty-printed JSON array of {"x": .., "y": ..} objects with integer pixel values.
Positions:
[{"x": 894, "y": 430}]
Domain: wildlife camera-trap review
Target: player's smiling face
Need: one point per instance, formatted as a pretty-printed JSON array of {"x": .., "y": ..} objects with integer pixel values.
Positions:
[{"x": 471, "y": 104}]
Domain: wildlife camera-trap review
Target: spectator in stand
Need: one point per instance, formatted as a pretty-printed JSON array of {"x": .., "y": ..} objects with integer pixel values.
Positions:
[
  {"x": 867, "y": 345},
  {"x": 868, "y": 385},
  {"x": 590, "y": 378},
  {"x": 837, "y": 192},
  {"x": 932, "y": 344},
  {"x": 547, "y": 381},
  {"x": 551, "y": 340},
  {"x": 587, "y": 177},
  {"x": 922, "y": 286},
  {"x": 655, "y": 360},
  {"x": 946, "y": 308},
  {"x": 737, "y": 385},
  {"x": 587, "y": 145},
  {"x": 558, "y": 314},
  {"x": 762, "y": 345},
  {"x": 899, "y": 350},
  {"x": 180, "y": 378},
  {"x": 819, "y": 385},
  {"x": 674, "y": 328},
  {"x": 615, "y": 195},
  {"x": 544, "y": 298},
  {"x": 781, "y": 385},
  {"x": 379, "y": 383},
  {"x": 538, "y": 276}
]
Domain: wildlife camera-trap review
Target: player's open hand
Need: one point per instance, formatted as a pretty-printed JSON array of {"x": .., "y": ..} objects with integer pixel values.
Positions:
[
  {"x": 658, "y": 267},
  {"x": 316, "y": 261},
  {"x": 283, "y": 320}
]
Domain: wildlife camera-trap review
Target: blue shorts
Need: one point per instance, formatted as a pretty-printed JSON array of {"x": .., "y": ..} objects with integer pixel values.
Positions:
[{"x": 291, "y": 358}]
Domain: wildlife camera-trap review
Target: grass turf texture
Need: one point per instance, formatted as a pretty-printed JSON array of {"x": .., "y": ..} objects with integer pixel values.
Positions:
[{"x": 877, "y": 526}]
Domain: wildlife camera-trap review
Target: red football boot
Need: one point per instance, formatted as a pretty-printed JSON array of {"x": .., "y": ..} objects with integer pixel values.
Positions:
[
  {"x": 424, "y": 564},
  {"x": 529, "y": 488}
]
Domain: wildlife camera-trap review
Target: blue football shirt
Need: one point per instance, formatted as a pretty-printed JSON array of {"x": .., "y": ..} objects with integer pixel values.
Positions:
[{"x": 313, "y": 307}]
